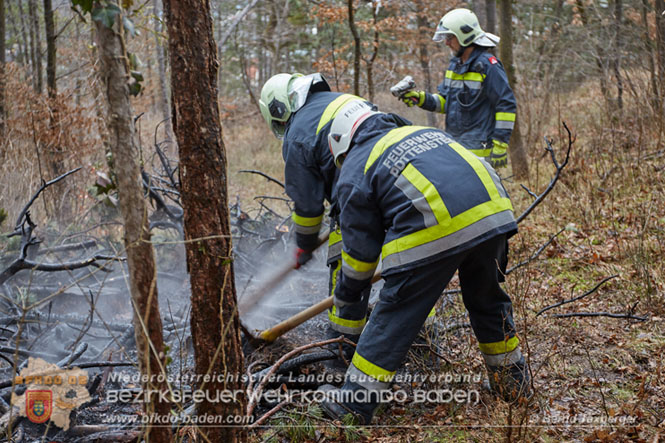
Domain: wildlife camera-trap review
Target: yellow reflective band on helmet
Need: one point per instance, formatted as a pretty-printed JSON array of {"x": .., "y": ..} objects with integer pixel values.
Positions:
[
  {"x": 359, "y": 265},
  {"x": 499, "y": 347},
  {"x": 427, "y": 189},
  {"x": 333, "y": 108},
  {"x": 505, "y": 116},
  {"x": 306, "y": 221},
  {"x": 369, "y": 368},
  {"x": 388, "y": 140},
  {"x": 353, "y": 324},
  {"x": 456, "y": 223},
  {"x": 467, "y": 76}
]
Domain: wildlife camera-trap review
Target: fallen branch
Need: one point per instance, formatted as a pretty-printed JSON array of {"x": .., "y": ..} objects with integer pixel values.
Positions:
[
  {"x": 559, "y": 168},
  {"x": 579, "y": 297},
  {"x": 263, "y": 174},
  {"x": 599, "y": 314}
]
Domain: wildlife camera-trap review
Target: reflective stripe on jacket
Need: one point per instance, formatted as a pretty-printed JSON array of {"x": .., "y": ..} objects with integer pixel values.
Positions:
[
  {"x": 478, "y": 102},
  {"x": 309, "y": 170},
  {"x": 414, "y": 195}
]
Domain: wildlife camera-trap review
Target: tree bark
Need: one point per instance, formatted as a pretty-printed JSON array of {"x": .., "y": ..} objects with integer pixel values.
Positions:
[
  {"x": 490, "y": 11},
  {"x": 161, "y": 67},
  {"x": 618, "y": 18},
  {"x": 660, "y": 47},
  {"x": 518, "y": 156},
  {"x": 140, "y": 255},
  {"x": 203, "y": 176},
  {"x": 36, "y": 46},
  {"x": 356, "y": 48},
  {"x": 424, "y": 37},
  {"x": 49, "y": 25},
  {"x": 2, "y": 69}
]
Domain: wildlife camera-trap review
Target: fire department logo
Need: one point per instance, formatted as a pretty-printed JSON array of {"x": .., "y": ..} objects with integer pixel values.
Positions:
[{"x": 38, "y": 405}]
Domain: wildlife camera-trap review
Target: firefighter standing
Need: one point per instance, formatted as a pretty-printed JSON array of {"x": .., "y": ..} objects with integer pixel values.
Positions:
[
  {"x": 428, "y": 207},
  {"x": 475, "y": 94}
]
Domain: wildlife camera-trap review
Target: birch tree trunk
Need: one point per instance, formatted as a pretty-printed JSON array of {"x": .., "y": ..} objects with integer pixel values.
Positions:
[
  {"x": 140, "y": 255},
  {"x": 203, "y": 176}
]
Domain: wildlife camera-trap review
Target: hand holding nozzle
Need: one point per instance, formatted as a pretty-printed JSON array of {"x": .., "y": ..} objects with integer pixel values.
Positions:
[{"x": 404, "y": 90}]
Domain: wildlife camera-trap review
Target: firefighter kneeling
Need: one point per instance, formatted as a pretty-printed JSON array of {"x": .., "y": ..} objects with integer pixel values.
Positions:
[{"x": 428, "y": 207}]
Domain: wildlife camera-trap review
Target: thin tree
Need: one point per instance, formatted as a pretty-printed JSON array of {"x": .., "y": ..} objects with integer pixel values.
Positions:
[
  {"x": 518, "y": 156},
  {"x": 203, "y": 179},
  {"x": 2, "y": 69},
  {"x": 618, "y": 18},
  {"x": 35, "y": 41},
  {"x": 49, "y": 25},
  {"x": 140, "y": 254},
  {"x": 356, "y": 47},
  {"x": 490, "y": 12},
  {"x": 161, "y": 67}
]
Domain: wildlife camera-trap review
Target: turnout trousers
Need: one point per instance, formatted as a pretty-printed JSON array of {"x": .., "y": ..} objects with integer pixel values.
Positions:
[{"x": 408, "y": 297}]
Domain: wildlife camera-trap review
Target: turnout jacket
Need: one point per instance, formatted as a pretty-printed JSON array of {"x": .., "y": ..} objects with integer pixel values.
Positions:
[
  {"x": 477, "y": 100},
  {"x": 309, "y": 169},
  {"x": 412, "y": 195}
]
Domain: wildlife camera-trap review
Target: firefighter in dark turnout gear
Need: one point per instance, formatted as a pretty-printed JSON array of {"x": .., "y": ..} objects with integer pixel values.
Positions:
[
  {"x": 428, "y": 207},
  {"x": 299, "y": 109},
  {"x": 475, "y": 94}
]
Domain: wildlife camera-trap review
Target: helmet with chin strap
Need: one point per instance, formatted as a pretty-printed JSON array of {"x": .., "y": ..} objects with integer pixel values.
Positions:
[
  {"x": 284, "y": 94},
  {"x": 344, "y": 127},
  {"x": 463, "y": 24}
]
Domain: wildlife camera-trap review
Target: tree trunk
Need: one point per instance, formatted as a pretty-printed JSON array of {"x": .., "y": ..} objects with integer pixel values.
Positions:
[
  {"x": 648, "y": 46},
  {"x": 618, "y": 18},
  {"x": 424, "y": 37},
  {"x": 518, "y": 156},
  {"x": 479, "y": 8},
  {"x": 140, "y": 255},
  {"x": 2, "y": 69},
  {"x": 356, "y": 48},
  {"x": 660, "y": 45},
  {"x": 375, "y": 51},
  {"x": 49, "y": 25},
  {"x": 36, "y": 45},
  {"x": 161, "y": 67},
  {"x": 203, "y": 176},
  {"x": 490, "y": 10}
]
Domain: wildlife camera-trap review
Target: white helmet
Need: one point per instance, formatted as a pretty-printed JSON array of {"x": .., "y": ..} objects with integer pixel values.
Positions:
[
  {"x": 344, "y": 126},
  {"x": 284, "y": 94},
  {"x": 463, "y": 24}
]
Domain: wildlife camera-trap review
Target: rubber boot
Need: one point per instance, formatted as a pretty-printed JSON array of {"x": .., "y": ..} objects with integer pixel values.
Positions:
[
  {"x": 511, "y": 382},
  {"x": 352, "y": 404}
]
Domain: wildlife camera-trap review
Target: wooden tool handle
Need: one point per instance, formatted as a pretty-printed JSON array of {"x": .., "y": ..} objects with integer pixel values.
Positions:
[{"x": 271, "y": 334}]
